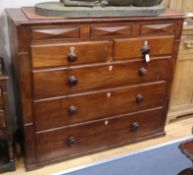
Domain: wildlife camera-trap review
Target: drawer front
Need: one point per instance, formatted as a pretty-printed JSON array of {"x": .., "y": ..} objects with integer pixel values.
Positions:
[
  {"x": 68, "y": 32},
  {"x": 77, "y": 109},
  {"x": 186, "y": 46},
  {"x": 2, "y": 118},
  {"x": 76, "y": 140},
  {"x": 61, "y": 54},
  {"x": 63, "y": 82},
  {"x": 110, "y": 30},
  {"x": 157, "y": 29},
  {"x": 131, "y": 48}
]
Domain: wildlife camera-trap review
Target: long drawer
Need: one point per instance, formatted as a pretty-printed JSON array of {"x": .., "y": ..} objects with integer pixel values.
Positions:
[
  {"x": 97, "y": 135},
  {"x": 85, "y": 107},
  {"x": 57, "y": 82}
]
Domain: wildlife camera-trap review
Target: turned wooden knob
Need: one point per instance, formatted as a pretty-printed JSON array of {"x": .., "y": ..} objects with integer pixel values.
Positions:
[
  {"x": 72, "y": 140},
  {"x": 72, "y": 110},
  {"x": 72, "y": 57},
  {"x": 145, "y": 51},
  {"x": 139, "y": 98},
  {"x": 135, "y": 126},
  {"x": 142, "y": 71},
  {"x": 72, "y": 81}
]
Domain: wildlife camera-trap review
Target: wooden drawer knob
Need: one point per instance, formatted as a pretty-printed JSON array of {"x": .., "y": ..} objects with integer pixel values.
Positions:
[
  {"x": 72, "y": 140},
  {"x": 135, "y": 126},
  {"x": 139, "y": 98},
  {"x": 72, "y": 55},
  {"x": 72, "y": 81},
  {"x": 142, "y": 71},
  {"x": 72, "y": 110}
]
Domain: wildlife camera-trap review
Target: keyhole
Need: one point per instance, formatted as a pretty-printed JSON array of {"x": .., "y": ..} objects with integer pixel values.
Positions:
[
  {"x": 108, "y": 94},
  {"x": 110, "y": 68},
  {"x": 146, "y": 45},
  {"x": 72, "y": 49}
]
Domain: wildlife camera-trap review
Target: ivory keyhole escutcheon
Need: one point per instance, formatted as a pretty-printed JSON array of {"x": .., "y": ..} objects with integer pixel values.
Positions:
[
  {"x": 72, "y": 49},
  {"x": 106, "y": 122},
  {"x": 108, "y": 94},
  {"x": 72, "y": 55},
  {"x": 110, "y": 68}
]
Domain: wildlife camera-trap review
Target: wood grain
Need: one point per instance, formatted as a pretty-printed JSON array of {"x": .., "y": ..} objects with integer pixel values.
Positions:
[
  {"x": 182, "y": 93},
  {"x": 7, "y": 159},
  {"x": 128, "y": 48},
  {"x": 50, "y": 54},
  {"x": 100, "y": 79},
  {"x": 53, "y": 33},
  {"x": 99, "y": 135},
  {"x": 98, "y": 105}
]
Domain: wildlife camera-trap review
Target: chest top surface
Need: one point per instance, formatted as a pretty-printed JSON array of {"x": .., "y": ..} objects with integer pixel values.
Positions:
[{"x": 27, "y": 16}]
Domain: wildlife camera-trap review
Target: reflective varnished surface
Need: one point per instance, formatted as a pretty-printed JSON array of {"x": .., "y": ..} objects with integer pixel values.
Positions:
[{"x": 91, "y": 84}]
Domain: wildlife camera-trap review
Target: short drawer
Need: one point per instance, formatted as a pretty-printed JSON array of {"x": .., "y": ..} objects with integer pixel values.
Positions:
[
  {"x": 83, "y": 108},
  {"x": 65, "y": 54},
  {"x": 56, "y": 82},
  {"x": 76, "y": 140},
  {"x": 131, "y": 48},
  {"x": 56, "y": 32},
  {"x": 110, "y": 30},
  {"x": 149, "y": 29},
  {"x": 2, "y": 118}
]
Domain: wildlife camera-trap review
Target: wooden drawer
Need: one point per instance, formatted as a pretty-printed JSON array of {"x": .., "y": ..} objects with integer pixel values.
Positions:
[
  {"x": 57, "y": 82},
  {"x": 110, "y": 30},
  {"x": 186, "y": 46},
  {"x": 60, "y": 54},
  {"x": 76, "y": 140},
  {"x": 56, "y": 32},
  {"x": 129, "y": 48},
  {"x": 149, "y": 29},
  {"x": 82, "y": 108},
  {"x": 2, "y": 118}
]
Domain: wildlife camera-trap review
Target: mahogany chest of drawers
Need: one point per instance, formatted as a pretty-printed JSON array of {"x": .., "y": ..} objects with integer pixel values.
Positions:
[{"x": 87, "y": 84}]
